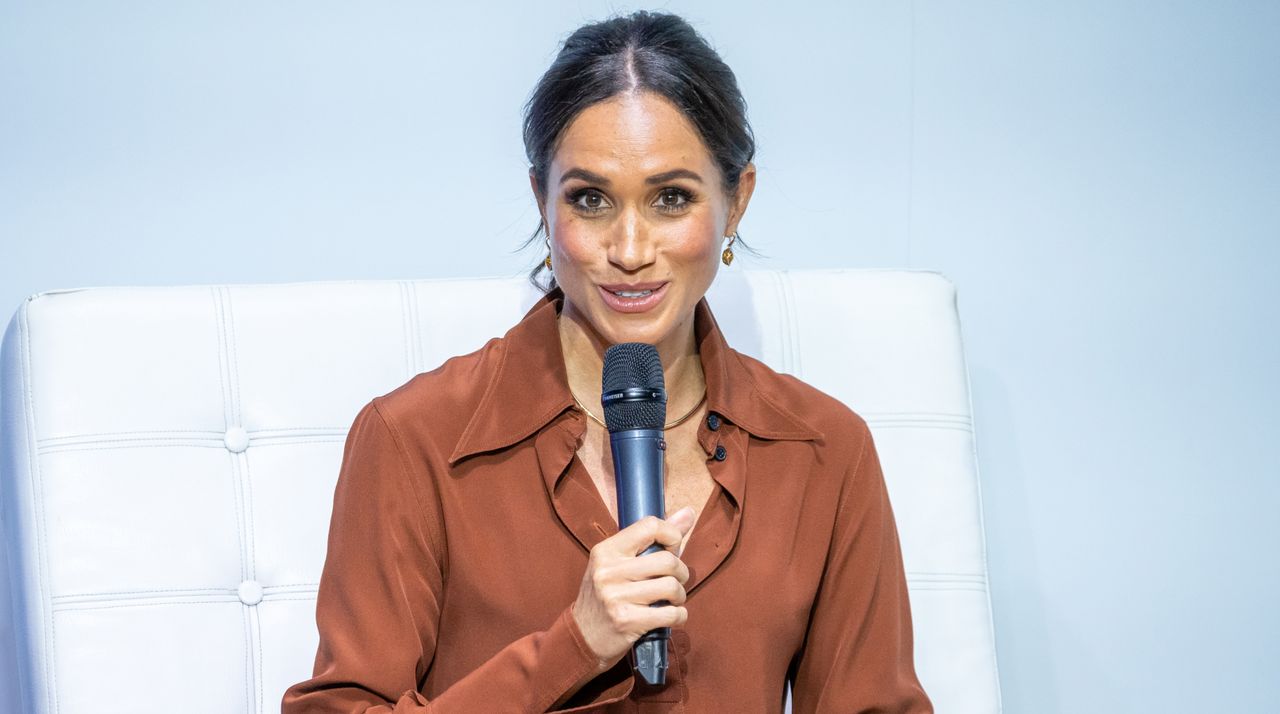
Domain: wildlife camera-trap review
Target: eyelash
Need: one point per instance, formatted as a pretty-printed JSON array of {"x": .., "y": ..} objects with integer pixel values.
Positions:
[{"x": 668, "y": 191}]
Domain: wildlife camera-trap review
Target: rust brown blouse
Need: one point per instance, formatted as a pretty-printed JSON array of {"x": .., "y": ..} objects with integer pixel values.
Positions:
[{"x": 462, "y": 521}]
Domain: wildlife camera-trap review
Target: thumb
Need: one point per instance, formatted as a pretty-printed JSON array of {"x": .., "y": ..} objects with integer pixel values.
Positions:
[{"x": 682, "y": 519}]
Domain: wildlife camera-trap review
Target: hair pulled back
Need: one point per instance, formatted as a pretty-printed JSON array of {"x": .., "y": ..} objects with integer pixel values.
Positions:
[{"x": 644, "y": 51}]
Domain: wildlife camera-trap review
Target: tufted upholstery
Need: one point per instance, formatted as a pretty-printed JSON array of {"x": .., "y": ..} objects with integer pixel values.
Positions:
[{"x": 168, "y": 458}]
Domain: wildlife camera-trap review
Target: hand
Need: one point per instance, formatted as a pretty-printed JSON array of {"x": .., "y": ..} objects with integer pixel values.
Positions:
[{"x": 612, "y": 609}]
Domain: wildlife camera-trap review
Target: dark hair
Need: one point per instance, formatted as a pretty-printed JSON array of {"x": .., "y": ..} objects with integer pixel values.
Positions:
[{"x": 644, "y": 51}]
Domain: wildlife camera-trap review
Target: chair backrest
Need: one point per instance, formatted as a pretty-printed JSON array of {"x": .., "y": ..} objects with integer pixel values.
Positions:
[{"x": 168, "y": 458}]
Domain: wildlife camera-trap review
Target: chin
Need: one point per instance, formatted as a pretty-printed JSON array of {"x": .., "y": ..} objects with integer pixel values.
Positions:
[{"x": 641, "y": 330}]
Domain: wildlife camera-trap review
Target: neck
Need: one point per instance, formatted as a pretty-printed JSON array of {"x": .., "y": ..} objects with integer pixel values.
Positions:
[{"x": 584, "y": 349}]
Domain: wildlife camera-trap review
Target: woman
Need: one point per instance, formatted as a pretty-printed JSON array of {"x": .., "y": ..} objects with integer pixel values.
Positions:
[{"x": 474, "y": 562}]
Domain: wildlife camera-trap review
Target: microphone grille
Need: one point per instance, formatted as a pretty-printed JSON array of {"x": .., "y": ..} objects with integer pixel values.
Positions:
[{"x": 630, "y": 365}]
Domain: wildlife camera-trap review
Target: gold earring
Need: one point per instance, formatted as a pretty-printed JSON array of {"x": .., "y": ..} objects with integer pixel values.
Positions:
[
  {"x": 727, "y": 256},
  {"x": 547, "y": 260}
]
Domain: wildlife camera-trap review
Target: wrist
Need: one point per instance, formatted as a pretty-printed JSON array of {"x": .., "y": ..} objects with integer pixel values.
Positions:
[{"x": 583, "y": 637}]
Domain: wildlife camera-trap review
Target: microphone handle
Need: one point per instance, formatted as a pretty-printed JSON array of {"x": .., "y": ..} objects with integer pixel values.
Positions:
[{"x": 638, "y": 475}]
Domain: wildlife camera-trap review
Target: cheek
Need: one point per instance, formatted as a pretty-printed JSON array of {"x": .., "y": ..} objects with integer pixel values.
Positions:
[
  {"x": 574, "y": 241},
  {"x": 694, "y": 240}
]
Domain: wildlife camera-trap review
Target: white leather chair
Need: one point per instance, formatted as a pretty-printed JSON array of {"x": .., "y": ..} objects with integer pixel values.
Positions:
[{"x": 168, "y": 457}]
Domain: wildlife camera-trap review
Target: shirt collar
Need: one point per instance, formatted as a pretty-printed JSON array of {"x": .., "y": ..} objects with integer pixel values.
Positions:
[{"x": 530, "y": 387}]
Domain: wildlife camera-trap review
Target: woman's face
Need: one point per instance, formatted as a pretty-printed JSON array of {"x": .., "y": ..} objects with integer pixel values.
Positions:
[{"x": 637, "y": 216}]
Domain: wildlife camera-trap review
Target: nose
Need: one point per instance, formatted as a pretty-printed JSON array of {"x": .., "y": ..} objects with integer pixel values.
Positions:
[{"x": 630, "y": 247}]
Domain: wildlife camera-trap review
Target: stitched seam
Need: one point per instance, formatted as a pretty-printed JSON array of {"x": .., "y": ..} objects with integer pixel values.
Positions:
[
  {"x": 251, "y": 531},
  {"x": 222, "y": 356},
  {"x": 234, "y": 373},
  {"x": 172, "y": 441},
  {"x": 849, "y": 486},
  {"x": 157, "y": 603},
  {"x": 51, "y": 439},
  {"x": 124, "y": 593},
  {"x": 232, "y": 417},
  {"x": 224, "y": 369},
  {"x": 784, "y": 350},
  {"x": 264, "y": 443},
  {"x": 257, "y": 636},
  {"x": 844, "y": 502},
  {"x": 789, "y": 300},
  {"x": 244, "y": 486},
  {"x": 338, "y": 429},
  {"x": 405, "y": 327},
  {"x": 436, "y": 534},
  {"x": 924, "y": 412},
  {"x": 208, "y": 433},
  {"x": 416, "y": 331},
  {"x": 229, "y": 597},
  {"x": 946, "y": 587},
  {"x": 236, "y": 496},
  {"x": 934, "y": 426},
  {"x": 247, "y": 636},
  {"x": 210, "y": 439}
]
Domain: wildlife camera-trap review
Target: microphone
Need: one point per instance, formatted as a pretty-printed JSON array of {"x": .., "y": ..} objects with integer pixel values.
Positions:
[{"x": 634, "y": 397}]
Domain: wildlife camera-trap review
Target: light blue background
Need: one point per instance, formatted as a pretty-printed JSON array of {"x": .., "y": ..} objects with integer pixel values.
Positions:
[{"x": 1100, "y": 179}]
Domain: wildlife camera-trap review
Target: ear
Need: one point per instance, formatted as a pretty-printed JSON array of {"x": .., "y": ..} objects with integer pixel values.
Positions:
[
  {"x": 746, "y": 186},
  {"x": 539, "y": 199}
]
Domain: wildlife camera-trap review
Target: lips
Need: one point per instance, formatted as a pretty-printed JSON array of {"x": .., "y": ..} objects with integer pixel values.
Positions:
[{"x": 633, "y": 297}]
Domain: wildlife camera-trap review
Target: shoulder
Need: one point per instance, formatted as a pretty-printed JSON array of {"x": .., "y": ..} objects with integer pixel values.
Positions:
[
  {"x": 838, "y": 426},
  {"x": 435, "y": 405}
]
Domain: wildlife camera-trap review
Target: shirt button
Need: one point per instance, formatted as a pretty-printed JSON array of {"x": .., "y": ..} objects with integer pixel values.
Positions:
[
  {"x": 721, "y": 453},
  {"x": 713, "y": 421}
]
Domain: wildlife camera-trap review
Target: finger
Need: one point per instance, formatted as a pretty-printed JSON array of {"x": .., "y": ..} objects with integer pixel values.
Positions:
[
  {"x": 638, "y": 536},
  {"x": 667, "y": 616},
  {"x": 653, "y": 565},
  {"x": 639, "y": 619},
  {"x": 666, "y": 590}
]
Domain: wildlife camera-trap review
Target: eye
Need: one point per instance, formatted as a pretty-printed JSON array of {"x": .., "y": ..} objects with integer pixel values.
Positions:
[
  {"x": 588, "y": 200},
  {"x": 673, "y": 200}
]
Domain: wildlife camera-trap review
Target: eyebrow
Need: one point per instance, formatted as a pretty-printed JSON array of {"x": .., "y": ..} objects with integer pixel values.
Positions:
[{"x": 592, "y": 177}]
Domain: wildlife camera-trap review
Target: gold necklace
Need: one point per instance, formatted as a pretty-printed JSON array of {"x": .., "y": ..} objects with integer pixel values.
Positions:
[{"x": 669, "y": 425}]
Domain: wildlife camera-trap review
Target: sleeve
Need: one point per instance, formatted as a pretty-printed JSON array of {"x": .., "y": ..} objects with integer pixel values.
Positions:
[
  {"x": 857, "y": 655},
  {"x": 379, "y": 598}
]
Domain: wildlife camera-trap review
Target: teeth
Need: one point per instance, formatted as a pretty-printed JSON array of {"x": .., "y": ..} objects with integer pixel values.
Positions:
[{"x": 631, "y": 293}]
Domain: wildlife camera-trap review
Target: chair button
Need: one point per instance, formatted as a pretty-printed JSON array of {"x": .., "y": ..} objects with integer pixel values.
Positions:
[
  {"x": 250, "y": 592},
  {"x": 713, "y": 421},
  {"x": 236, "y": 439},
  {"x": 721, "y": 453}
]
